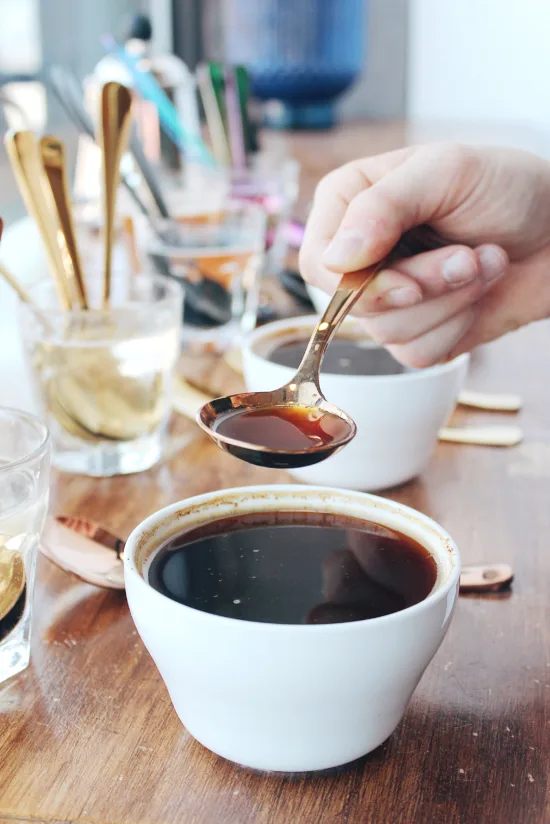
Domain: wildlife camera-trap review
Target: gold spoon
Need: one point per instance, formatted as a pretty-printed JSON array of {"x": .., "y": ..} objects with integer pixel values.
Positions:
[
  {"x": 27, "y": 167},
  {"x": 19, "y": 290},
  {"x": 113, "y": 136},
  {"x": 302, "y": 393},
  {"x": 12, "y": 573},
  {"x": 64, "y": 418},
  {"x": 24, "y": 296},
  {"x": 129, "y": 237},
  {"x": 53, "y": 160}
]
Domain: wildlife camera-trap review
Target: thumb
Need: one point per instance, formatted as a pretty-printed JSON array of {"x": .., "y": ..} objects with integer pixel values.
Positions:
[{"x": 428, "y": 184}]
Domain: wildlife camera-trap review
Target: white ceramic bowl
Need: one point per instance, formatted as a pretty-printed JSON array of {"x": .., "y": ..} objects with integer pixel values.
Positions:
[
  {"x": 319, "y": 298},
  {"x": 398, "y": 417},
  {"x": 289, "y": 697}
]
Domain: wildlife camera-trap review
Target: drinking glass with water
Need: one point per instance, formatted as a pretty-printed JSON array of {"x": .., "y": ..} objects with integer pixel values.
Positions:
[{"x": 24, "y": 487}]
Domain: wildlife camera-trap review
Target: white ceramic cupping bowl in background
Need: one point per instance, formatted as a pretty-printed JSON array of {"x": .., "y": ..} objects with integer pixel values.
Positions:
[
  {"x": 398, "y": 417},
  {"x": 289, "y": 697}
]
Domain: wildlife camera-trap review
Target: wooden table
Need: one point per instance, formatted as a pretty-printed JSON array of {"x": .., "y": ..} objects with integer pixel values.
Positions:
[{"x": 88, "y": 734}]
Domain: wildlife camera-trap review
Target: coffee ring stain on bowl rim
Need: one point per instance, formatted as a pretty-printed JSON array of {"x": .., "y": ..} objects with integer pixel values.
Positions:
[{"x": 233, "y": 497}]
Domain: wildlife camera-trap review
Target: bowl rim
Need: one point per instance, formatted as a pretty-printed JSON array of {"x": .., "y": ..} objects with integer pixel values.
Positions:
[
  {"x": 151, "y": 524},
  {"x": 263, "y": 333}
]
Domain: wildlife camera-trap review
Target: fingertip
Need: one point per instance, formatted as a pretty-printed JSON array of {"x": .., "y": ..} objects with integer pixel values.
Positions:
[
  {"x": 493, "y": 262},
  {"x": 401, "y": 297},
  {"x": 461, "y": 267},
  {"x": 390, "y": 290}
]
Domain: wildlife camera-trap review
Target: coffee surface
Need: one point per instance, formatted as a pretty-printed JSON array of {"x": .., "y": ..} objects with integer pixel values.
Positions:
[
  {"x": 343, "y": 357},
  {"x": 293, "y": 568},
  {"x": 291, "y": 428}
]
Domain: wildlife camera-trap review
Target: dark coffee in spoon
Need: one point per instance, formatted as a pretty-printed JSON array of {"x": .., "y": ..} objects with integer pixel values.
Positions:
[
  {"x": 293, "y": 568},
  {"x": 344, "y": 356},
  {"x": 291, "y": 428}
]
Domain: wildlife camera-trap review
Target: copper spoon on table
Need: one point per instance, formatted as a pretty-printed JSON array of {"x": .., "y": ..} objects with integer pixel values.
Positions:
[
  {"x": 303, "y": 393},
  {"x": 85, "y": 549}
]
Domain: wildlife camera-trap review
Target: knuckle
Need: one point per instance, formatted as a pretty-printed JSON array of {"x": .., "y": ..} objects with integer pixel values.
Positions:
[
  {"x": 328, "y": 184},
  {"x": 344, "y": 182},
  {"x": 457, "y": 159}
]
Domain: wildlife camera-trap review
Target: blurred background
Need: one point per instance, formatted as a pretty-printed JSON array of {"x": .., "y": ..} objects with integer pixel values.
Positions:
[{"x": 441, "y": 65}]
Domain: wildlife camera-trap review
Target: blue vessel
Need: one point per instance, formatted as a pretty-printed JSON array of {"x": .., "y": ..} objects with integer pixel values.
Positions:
[{"x": 301, "y": 53}]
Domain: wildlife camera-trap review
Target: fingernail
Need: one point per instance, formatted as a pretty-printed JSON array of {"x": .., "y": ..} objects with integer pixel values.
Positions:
[
  {"x": 402, "y": 296},
  {"x": 459, "y": 269},
  {"x": 492, "y": 262},
  {"x": 344, "y": 248}
]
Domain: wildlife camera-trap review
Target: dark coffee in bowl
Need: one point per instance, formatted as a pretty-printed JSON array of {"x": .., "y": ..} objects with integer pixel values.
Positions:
[
  {"x": 344, "y": 356},
  {"x": 293, "y": 568}
]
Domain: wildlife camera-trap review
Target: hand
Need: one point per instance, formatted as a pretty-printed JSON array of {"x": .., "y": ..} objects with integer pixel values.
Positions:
[{"x": 492, "y": 205}]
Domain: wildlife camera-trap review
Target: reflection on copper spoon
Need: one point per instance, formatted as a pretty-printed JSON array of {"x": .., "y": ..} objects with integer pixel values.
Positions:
[{"x": 84, "y": 548}]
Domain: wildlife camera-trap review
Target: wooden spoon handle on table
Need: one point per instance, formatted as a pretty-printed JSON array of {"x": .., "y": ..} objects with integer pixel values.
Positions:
[{"x": 493, "y": 435}]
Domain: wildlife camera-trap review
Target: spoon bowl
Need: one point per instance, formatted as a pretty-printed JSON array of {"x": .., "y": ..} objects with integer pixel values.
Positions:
[
  {"x": 305, "y": 397},
  {"x": 85, "y": 549},
  {"x": 300, "y": 404}
]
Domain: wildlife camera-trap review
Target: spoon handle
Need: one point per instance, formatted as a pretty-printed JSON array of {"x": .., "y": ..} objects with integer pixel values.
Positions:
[
  {"x": 52, "y": 152},
  {"x": 26, "y": 163},
  {"x": 114, "y": 132},
  {"x": 349, "y": 290}
]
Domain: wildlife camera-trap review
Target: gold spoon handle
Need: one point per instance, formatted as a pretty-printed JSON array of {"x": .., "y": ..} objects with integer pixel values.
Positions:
[
  {"x": 27, "y": 167},
  {"x": 349, "y": 290},
  {"x": 52, "y": 152},
  {"x": 19, "y": 290},
  {"x": 114, "y": 133}
]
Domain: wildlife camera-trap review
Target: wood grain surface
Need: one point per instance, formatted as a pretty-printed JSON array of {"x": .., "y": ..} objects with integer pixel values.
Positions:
[{"x": 88, "y": 733}]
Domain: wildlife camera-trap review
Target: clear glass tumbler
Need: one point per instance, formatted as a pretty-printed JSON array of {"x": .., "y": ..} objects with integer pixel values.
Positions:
[
  {"x": 219, "y": 257},
  {"x": 24, "y": 488},
  {"x": 103, "y": 377}
]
